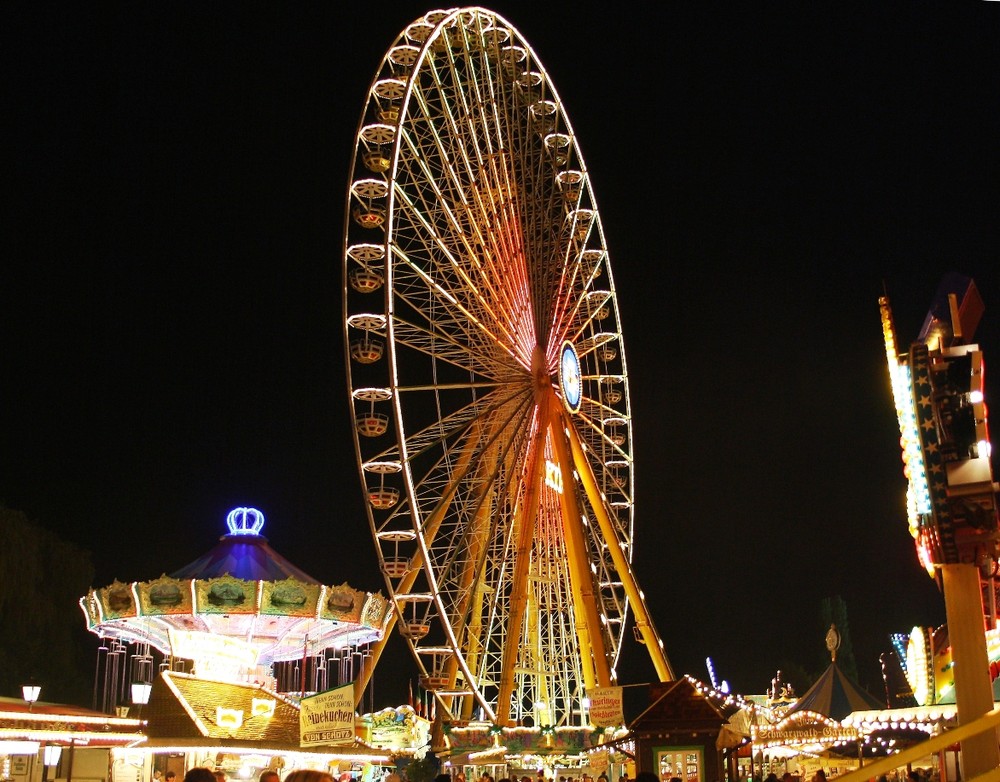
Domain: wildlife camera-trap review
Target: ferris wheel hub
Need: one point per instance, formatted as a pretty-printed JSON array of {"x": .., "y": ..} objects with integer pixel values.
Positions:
[{"x": 539, "y": 371}]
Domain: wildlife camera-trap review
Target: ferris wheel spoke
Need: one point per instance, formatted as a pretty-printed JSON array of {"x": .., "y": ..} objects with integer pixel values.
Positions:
[
  {"x": 440, "y": 480},
  {"x": 599, "y": 429},
  {"x": 457, "y": 164},
  {"x": 466, "y": 536},
  {"x": 478, "y": 580},
  {"x": 460, "y": 155},
  {"x": 426, "y": 318},
  {"x": 481, "y": 320},
  {"x": 582, "y": 321},
  {"x": 422, "y": 276},
  {"x": 445, "y": 263},
  {"x": 493, "y": 486},
  {"x": 457, "y": 475},
  {"x": 450, "y": 342},
  {"x": 487, "y": 167},
  {"x": 452, "y": 425},
  {"x": 468, "y": 588}
]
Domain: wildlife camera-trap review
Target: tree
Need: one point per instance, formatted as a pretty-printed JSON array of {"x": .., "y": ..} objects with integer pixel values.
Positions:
[
  {"x": 422, "y": 769},
  {"x": 42, "y": 578}
]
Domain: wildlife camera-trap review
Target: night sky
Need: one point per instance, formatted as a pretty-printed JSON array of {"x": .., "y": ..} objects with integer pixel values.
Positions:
[{"x": 170, "y": 316}]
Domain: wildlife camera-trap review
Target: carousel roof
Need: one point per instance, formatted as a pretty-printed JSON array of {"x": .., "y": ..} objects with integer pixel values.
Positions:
[
  {"x": 188, "y": 707},
  {"x": 185, "y": 710},
  {"x": 241, "y": 590},
  {"x": 834, "y": 695},
  {"x": 244, "y": 556}
]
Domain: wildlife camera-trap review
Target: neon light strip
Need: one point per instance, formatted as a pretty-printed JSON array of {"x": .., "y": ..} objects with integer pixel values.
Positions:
[{"x": 918, "y": 500}]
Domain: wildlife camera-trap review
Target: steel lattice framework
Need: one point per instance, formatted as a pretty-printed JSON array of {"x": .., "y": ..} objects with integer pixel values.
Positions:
[{"x": 475, "y": 270}]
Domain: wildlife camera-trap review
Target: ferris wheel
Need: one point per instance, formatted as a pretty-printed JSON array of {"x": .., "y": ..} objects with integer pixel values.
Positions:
[{"x": 487, "y": 375}]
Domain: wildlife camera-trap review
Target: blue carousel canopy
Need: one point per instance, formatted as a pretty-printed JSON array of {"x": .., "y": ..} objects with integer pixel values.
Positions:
[
  {"x": 244, "y": 554},
  {"x": 246, "y": 557},
  {"x": 835, "y": 696}
]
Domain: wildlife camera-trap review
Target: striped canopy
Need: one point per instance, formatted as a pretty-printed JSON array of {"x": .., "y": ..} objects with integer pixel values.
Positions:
[{"x": 835, "y": 696}]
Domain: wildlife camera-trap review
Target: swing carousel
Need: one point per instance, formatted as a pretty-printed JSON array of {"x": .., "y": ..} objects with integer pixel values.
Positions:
[{"x": 240, "y": 612}]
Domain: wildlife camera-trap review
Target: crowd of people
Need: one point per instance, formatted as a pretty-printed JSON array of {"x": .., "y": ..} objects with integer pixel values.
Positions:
[
  {"x": 204, "y": 774},
  {"x": 913, "y": 775},
  {"x": 487, "y": 777}
]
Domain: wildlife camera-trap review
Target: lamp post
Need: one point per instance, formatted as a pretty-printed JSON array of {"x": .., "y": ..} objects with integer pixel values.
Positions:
[
  {"x": 140, "y": 694},
  {"x": 30, "y": 693},
  {"x": 50, "y": 757}
]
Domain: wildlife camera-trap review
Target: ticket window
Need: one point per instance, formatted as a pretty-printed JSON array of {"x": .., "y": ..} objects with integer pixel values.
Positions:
[{"x": 684, "y": 763}]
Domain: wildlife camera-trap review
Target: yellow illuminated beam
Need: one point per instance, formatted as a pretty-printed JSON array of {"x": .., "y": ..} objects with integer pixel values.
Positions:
[
  {"x": 522, "y": 561},
  {"x": 596, "y": 670},
  {"x": 643, "y": 621}
]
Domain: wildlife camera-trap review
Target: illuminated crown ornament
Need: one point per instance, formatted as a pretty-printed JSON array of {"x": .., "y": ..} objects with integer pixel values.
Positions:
[{"x": 245, "y": 521}]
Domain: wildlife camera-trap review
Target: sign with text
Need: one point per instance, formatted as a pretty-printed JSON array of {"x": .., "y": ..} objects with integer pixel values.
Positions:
[
  {"x": 327, "y": 718},
  {"x": 606, "y": 706}
]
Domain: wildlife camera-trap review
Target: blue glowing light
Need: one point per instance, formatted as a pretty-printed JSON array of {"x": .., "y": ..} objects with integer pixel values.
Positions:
[{"x": 245, "y": 521}]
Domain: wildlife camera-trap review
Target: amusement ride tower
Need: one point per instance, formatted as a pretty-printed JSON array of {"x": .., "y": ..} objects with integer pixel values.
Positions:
[{"x": 939, "y": 392}]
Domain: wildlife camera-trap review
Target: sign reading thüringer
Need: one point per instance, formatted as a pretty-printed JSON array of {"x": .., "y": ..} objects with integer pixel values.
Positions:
[{"x": 606, "y": 706}]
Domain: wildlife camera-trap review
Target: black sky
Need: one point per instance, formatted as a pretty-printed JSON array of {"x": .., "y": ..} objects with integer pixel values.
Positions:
[{"x": 170, "y": 335}]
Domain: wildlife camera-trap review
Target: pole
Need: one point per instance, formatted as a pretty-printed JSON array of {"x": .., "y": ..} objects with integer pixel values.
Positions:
[
  {"x": 305, "y": 657},
  {"x": 69, "y": 761},
  {"x": 963, "y": 605}
]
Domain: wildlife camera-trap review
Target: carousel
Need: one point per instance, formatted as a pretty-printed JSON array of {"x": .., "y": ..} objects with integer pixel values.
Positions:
[
  {"x": 240, "y": 605},
  {"x": 225, "y": 659}
]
